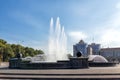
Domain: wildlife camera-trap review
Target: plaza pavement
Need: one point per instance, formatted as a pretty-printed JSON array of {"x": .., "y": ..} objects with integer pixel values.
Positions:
[{"x": 61, "y": 74}]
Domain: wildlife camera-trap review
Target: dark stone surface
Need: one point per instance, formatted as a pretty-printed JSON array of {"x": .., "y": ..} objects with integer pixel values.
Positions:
[
  {"x": 79, "y": 63},
  {"x": 14, "y": 63},
  {"x": 73, "y": 63},
  {"x": 57, "y": 65},
  {"x": 101, "y": 64}
]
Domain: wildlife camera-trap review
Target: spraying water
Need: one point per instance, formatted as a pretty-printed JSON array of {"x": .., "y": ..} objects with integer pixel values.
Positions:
[
  {"x": 57, "y": 45},
  {"x": 57, "y": 42}
]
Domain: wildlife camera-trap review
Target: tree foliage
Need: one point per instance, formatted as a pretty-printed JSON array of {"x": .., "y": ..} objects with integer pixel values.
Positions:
[{"x": 8, "y": 51}]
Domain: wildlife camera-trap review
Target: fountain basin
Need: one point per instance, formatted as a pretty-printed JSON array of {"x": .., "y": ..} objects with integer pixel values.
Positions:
[
  {"x": 73, "y": 63},
  {"x": 102, "y": 64}
]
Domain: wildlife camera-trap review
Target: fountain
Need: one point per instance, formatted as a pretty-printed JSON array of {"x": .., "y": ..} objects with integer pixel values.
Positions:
[
  {"x": 57, "y": 54},
  {"x": 57, "y": 42}
]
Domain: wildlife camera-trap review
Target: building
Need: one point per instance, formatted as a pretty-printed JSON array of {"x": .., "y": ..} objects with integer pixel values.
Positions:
[
  {"x": 80, "y": 47},
  {"x": 111, "y": 54},
  {"x": 86, "y": 49},
  {"x": 89, "y": 51},
  {"x": 95, "y": 48}
]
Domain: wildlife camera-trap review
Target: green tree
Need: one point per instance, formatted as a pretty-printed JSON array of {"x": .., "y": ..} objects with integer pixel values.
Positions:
[
  {"x": 8, "y": 53},
  {"x": 18, "y": 49},
  {"x": 3, "y": 41},
  {"x": 2, "y": 47}
]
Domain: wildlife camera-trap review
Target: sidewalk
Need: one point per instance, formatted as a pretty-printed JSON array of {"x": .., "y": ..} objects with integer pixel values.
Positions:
[{"x": 4, "y": 65}]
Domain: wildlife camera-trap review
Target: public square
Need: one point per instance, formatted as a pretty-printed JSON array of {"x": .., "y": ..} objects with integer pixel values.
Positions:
[{"x": 101, "y": 73}]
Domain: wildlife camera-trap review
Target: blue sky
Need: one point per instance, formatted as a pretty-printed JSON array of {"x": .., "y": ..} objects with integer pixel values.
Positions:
[{"x": 27, "y": 22}]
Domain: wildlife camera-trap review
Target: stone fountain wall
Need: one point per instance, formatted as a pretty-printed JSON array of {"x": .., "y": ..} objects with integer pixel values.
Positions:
[{"x": 73, "y": 63}]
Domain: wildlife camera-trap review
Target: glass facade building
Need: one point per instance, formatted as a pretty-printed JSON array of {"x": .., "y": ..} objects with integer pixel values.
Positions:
[
  {"x": 80, "y": 47},
  {"x": 95, "y": 48}
]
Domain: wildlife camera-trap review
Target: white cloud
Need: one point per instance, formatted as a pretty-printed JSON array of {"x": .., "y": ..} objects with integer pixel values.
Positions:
[
  {"x": 118, "y": 5},
  {"x": 109, "y": 34},
  {"x": 77, "y": 35}
]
